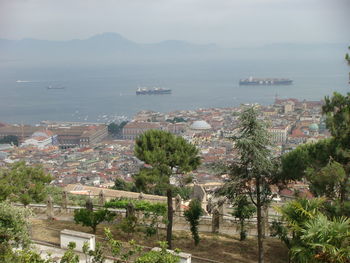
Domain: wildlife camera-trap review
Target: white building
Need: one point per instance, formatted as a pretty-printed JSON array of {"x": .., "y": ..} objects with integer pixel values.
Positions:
[{"x": 41, "y": 139}]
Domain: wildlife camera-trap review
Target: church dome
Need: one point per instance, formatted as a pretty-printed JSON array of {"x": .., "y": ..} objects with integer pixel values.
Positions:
[
  {"x": 200, "y": 125},
  {"x": 313, "y": 127}
]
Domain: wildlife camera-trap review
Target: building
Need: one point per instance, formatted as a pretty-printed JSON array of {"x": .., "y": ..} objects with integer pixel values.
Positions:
[
  {"x": 41, "y": 139},
  {"x": 200, "y": 126},
  {"x": 279, "y": 134},
  {"x": 21, "y": 131},
  {"x": 134, "y": 128},
  {"x": 80, "y": 136}
]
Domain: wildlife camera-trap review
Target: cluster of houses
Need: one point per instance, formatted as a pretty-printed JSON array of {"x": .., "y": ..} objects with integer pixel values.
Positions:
[{"x": 83, "y": 153}]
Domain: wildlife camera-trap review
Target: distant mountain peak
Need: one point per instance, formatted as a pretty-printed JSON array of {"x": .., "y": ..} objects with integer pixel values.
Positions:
[{"x": 110, "y": 36}]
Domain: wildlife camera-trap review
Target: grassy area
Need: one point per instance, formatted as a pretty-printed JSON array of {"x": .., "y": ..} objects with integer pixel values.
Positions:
[{"x": 212, "y": 246}]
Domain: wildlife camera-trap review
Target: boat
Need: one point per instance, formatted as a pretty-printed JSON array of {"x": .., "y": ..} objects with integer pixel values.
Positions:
[
  {"x": 153, "y": 91},
  {"x": 265, "y": 81}
]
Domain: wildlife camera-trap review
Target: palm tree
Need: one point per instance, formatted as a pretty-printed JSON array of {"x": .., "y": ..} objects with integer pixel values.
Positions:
[
  {"x": 324, "y": 240},
  {"x": 310, "y": 235}
]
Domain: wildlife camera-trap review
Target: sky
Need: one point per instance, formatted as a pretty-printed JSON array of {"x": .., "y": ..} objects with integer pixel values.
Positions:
[{"x": 228, "y": 23}]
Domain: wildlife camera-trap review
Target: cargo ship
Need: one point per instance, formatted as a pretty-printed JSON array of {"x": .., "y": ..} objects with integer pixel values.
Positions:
[
  {"x": 264, "y": 81},
  {"x": 154, "y": 91}
]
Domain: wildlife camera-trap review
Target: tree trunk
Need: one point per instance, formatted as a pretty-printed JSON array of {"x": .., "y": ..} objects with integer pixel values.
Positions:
[
  {"x": 242, "y": 234},
  {"x": 169, "y": 229},
  {"x": 343, "y": 195},
  {"x": 259, "y": 223}
]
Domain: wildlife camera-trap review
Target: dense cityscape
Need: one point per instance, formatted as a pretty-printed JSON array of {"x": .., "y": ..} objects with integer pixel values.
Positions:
[{"x": 174, "y": 131}]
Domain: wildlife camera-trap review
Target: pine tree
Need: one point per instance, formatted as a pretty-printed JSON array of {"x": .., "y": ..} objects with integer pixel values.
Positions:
[{"x": 167, "y": 155}]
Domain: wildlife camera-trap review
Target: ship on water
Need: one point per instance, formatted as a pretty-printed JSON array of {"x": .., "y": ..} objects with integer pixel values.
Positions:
[
  {"x": 153, "y": 91},
  {"x": 265, "y": 81}
]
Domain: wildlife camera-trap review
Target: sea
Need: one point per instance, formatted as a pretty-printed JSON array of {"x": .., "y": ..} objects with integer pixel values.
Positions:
[{"x": 107, "y": 93}]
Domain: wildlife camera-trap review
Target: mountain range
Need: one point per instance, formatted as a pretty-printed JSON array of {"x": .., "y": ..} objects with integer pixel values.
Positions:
[{"x": 113, "y": 48}]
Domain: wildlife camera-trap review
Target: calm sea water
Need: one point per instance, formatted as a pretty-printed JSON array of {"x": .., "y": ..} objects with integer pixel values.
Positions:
[{"x": 110, "y": 90}]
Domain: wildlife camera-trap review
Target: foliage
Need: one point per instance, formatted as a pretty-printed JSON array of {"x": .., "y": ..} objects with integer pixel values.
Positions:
[
  {"x": 243, "y": 210},
  {"x": 327, "y": 159},
  {"x": 310, "y": 235},
  {"x": 185, "y": 192},
  {"x": 92, "y": 218},
  {"x": 116, "y": 248},
  {"x": 162, "y": 256},
  {"x": 93, "y": 256},
  {"x": 10, "y": 139},
  {"x": 56, "y": 194},
  {"x": 327, "y": 181},
  {"x": 25, "y": 256},
  {"x": 323, "y": 240},
  {"x": 14, "y": 228},
  {"x": 295, "y": 214},
  {"x": 337, "y": 110},
  {"x": 139, "y": 205},
  {"x": 23, "y": 183},
  {"x": 176, "y": 120},
  {"x": 128, "y": 225},
  {"x": 151, "y": 212},
  {"x": 120, "y": 184},
  {"x": 116, "y": 129},
  {"x": 192, "y": 215},
  {"x": 347, "y": 57},
  {"x": 69, "y": 256},
  {"x": 255, "y": 171},
  {"x": 166, "y": 154},
  {"x": 314, "y": 155}
]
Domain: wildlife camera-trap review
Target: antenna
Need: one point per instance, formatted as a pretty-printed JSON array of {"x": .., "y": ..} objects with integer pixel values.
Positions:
[{"x": 22, "y": 131}]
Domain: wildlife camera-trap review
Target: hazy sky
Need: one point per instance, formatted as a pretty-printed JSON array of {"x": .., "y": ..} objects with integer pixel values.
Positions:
[{"x": 225, "y": 22}]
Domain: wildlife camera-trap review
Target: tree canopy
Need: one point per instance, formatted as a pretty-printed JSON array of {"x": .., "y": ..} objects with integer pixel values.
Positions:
[
  {"x": 192, "y": 215},
  {"x": 14, "y": 229},
  {"x": 11, "y": 139},
  {"x": 254, "y": 171},
  {"x": 92, "y": 219},
  {"x": 326, "y": 163},
  {"x": 166, "y": 154},
  {"x": 310, "y": 234},
  {"x": 23, "y": 183}
]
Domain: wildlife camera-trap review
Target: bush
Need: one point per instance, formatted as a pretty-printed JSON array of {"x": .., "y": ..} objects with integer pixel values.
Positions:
[
  {"x": 14, "y": 228},
  {"x": 91, "y": 219},
  {"x": 140, "y": 205},
  {"x": 192, "y": 215},
  {"x": 162, "y": 256}
]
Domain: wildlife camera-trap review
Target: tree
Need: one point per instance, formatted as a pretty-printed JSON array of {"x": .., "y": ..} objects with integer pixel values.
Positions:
[
  {"x": 120, "y": 184},
  {"x": 323, "y": 159},
  {"x": 255, "y": 170},
  {"x": 324, "y": 240},
  {"x": 69, "y": 256},
  {"x": 23, "y": 183},
  {"x": 116, "y": 129},
  {"x": 310, "y": 235},
  {"x": 161, "y": 256},
  {"x": 243, "y": 210},
  {"x": 14, "y": 229},
  {"x": 192, "y": 215},
  {"x": 92, "y": 219},
  {"x": 166, "y": 154},
  {"x": 294, "y": 216},
  {"x": 11, "y": 139},
  {"x": 327, "y": 181}
]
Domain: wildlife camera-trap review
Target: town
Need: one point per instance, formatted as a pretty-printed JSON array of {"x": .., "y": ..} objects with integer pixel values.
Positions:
[{"x": 85, "y": 153}]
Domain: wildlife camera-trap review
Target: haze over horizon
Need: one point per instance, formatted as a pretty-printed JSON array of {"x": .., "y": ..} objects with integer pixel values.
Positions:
[{"x": 225, "y": 23}]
